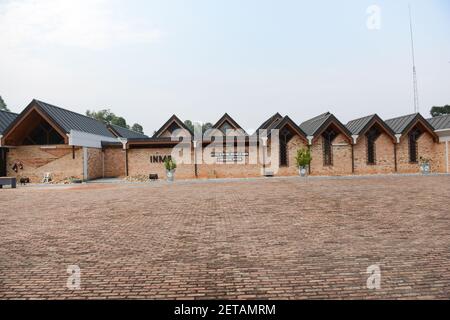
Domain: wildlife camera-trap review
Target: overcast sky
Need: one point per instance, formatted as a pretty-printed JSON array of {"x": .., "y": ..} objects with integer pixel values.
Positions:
[{"x": 146, "y": 60}]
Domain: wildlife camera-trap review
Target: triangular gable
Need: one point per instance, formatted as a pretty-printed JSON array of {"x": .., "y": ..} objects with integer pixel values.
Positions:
[
  {"x": 420, "y": 120},
  {"x": 402, "y": 125},
  {"x": 227, "y": 123},
  {"x": 360, "y": 126},
  {"x": 270, "y": 121},
  {"x": 171, "y": 125},
  {"x": 321, "y": 123},
  {"x": 17, "y": 131},
  {"x": 287, "y": 122}
]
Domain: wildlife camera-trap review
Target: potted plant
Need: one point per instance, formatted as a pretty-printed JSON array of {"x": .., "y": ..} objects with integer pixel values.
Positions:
[
  {"x": 170, "y": 166},
  {"x": 425, "y": 166},
  {"x": 303, "y": 159}
]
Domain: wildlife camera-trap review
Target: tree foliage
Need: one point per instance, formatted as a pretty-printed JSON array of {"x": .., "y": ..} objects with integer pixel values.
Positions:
[
  {"x": 137, "y": 128},
  {"x": 3, "y": 105},
  {"x": 191, "y": 125},
  {"x": 108, "y": 117},
  {"x": 439, "y": 111}
]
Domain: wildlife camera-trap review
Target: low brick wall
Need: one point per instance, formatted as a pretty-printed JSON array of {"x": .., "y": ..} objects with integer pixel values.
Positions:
[
  {"x": 114, "y": 162},
  {"x": 95, "y": 163},
  {"x": 38, "y": 160},
  {"x": 139, "y": 163}
]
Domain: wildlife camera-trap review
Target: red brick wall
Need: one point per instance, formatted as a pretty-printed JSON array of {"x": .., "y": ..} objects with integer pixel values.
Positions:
[
  {"x": 385, "y": 156},
  {"x": 114, "y": 162},
  {"x": 139, "y": 164},
  {"x": 243, "y": 169},
  {"x": 38, "y": 160},
  {"x": 342, "y": 157},
  {"x": 426, "y": 148},
  {"x": 95, "y": 163},
  {"x": 294, "y": 145}
]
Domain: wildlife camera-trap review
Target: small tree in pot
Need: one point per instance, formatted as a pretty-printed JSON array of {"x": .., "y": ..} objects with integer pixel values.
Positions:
[
  {"x": 170, "y": 166},
  {"x": 425, "y": 165},
  {"x": 303, "y": 159}
]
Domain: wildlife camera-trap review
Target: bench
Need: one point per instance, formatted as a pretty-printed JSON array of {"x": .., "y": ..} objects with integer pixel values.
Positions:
[{"x": 8, "y": 181}]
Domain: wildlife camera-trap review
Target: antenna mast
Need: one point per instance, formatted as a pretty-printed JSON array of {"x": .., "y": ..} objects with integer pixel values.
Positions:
[{"x": 416, "y": 91}]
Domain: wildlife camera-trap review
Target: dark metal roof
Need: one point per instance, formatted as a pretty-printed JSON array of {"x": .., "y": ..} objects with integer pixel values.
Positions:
[
  {"x": 69, "y": 120},
  {"x": 6, "y": 118},
  {"x": 126, "y": 133},
  {"x": 226, "y": 117},
  {"x": 440, "y": 122},
  {"x": 399, "y": 124},
  {"x": 316, "y": 125},
  {"x": 172, "y": 119},
  {"x": 311, "y": 126},
  {"x": 357, "y": 125},
  {"x": 266, "y": 124},
  {"x": 283, "y": 122}
]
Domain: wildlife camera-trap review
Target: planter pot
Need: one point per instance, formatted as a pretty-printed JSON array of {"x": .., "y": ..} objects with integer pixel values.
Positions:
[
  {"x": 303, "y": 171},
  {"x": 425, "y": 168},
  {"x": 170, "y": 175}
]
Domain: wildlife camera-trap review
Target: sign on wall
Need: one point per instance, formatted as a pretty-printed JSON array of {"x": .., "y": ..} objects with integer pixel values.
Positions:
[
  {"x": 225, "y": 157},
  {"x": 159, "y": 158}
]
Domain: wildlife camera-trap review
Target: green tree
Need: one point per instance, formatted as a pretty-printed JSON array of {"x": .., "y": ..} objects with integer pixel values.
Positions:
[
  {"x": 119, "y": 121},
  {"x": 106, "y": 116},
  {"x": 439, "y": 111},
  {"x": 191, "y": 126},
  {"x": 3, "y": 105},
  {"x": 137, "y": 128}
]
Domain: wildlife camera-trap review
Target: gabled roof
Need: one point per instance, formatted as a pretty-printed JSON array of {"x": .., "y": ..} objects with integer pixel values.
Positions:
[
  {"x": 357, "y": 125},
  {"x": 440, "y": 122},
  {"x": 63, "y": 120},
  {"x": 314, "y": 127},
  {"x": 400, "y": 124},
  {"x": 227, "y": 118},
  {"x": 286, "y": 121},
  {"x": 69, "y": 120},
  {"x": 173, "y": 119},
  {"x": 311, "y": 126},
  {"x": 276, "y": 117},
  {"x": 6, "y": 118},
  {"x": 121, "y": 132},
  {"x": 361, "y": 125}
]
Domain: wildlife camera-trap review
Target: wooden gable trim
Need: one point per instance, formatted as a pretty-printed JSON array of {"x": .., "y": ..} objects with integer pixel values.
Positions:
[
  {"x": 230, "y": 120},
  {"x": 377, "y": 120},
  {"x": 424, "y": 123},
  {"x": 332, "y": 120},
  {"x": 172, "y": 119},
  {"x": 22, "y": 117}
]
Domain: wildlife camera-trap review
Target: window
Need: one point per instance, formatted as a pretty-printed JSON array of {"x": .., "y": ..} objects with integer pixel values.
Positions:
[
  {"x": 285, "y": 136},
  {"x": 43, "y": 134},
  {"x": 328, "y": 137},
  {"x": 414, "y": 135},
  {"x": 372, "y": 135}
]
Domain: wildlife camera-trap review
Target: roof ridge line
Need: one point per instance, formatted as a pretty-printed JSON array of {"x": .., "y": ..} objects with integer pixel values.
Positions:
[
  {"x": 80, "y": 114},
  {"x": 371, "y": 115},
  {"x": 10, "y": 112},
  {"x": 406, "y": 115}
]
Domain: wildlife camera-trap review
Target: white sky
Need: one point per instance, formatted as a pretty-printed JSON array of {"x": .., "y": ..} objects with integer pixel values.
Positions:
[{"x": 146, "y": 60}]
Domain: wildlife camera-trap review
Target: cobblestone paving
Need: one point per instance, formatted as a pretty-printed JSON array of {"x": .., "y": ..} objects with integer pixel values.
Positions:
[{"x": 280, "y": 239}]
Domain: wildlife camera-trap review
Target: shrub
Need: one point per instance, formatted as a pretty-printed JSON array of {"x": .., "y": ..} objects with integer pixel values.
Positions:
[
  {"x": 303, "y": 157},
  {"x": 170, "y": 164}
]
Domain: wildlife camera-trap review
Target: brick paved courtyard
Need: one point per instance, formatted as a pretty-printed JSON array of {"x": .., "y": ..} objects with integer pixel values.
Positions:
[{"x": 281, "y": 238}]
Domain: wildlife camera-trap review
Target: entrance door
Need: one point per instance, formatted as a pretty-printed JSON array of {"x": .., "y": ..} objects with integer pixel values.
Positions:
[{"x": 2, "y": 162}]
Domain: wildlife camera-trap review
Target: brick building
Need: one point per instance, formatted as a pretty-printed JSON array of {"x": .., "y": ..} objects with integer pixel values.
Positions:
[{"x": 44, "y": 139}]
